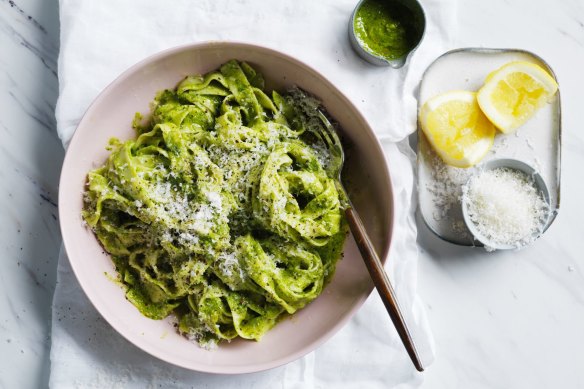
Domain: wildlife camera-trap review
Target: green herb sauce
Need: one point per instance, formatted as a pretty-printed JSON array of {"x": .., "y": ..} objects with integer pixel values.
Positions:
[
  {"x": 221, "y": 210},
  {"x": 385, "y": 28}
]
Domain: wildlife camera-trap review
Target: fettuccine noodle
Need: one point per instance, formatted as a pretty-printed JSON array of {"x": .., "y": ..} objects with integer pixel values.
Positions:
[{"x": 220, "y": 211}]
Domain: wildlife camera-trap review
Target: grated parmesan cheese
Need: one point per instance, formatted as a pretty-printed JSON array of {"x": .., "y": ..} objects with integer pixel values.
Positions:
[
  {"x": 215, "y": 200},
  {"x": 505, "y": 207},
  {"x": 446, "y": 187}
]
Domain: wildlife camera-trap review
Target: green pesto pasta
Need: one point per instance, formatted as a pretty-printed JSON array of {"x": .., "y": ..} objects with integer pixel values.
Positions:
[{"x": 220, "y": 211}]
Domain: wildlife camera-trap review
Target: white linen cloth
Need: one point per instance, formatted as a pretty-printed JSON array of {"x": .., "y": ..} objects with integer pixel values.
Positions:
[{"x": 100, "y": 39}]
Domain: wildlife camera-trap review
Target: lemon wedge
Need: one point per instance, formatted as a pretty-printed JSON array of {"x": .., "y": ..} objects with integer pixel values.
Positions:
[
  {"x": 457, "y": 128},
  {"x": 514, "y": 92}
]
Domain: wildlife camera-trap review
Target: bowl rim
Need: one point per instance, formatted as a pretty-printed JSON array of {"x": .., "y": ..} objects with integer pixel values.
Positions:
[{"x": 66, "y": 227}]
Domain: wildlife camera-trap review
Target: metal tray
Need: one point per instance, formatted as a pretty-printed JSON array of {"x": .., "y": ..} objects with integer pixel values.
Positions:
[{"x": 537, "y": 142}]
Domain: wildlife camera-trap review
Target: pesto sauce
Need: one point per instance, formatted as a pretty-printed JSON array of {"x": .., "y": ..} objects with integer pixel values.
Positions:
[
  {"x": 219, "y": 211},
  {"x": 385, "y": 28}
]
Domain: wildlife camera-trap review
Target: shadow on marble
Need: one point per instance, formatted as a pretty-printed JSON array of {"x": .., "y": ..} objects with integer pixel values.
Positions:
[{"x": 448, "y": 253}]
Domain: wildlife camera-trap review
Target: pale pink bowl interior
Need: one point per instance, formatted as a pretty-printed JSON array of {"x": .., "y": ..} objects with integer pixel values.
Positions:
[{"x": 111, "y": 115}]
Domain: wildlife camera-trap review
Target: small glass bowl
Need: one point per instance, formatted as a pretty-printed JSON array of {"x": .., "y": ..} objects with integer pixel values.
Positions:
[
  {"x": 420, "y": 23},
  {"x": 540, "y": 185}
]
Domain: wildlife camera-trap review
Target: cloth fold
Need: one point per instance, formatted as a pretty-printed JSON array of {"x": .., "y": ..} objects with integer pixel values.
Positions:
[{"x": 99, "y": 40}]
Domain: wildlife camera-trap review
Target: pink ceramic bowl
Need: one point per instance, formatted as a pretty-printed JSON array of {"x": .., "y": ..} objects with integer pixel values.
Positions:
[{"x": 111, "y": 114}]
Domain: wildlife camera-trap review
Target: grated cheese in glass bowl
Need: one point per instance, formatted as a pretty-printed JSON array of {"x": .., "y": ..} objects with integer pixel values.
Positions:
[{"x": 506, "y": 204}]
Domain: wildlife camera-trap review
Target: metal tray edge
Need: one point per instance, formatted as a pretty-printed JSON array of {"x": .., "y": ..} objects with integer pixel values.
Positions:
[{"x": 487, "y": 50}]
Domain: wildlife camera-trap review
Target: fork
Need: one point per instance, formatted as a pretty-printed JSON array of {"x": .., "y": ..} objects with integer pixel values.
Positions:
[{"x": 330, "y": 138}]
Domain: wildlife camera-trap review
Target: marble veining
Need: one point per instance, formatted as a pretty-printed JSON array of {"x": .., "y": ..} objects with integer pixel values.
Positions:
[
  {"x": 30, "y": 160},
  {"x": 502, "y": 320},
  {"x": 514, "y": 319},
  {"x": 45, "y": 53}
]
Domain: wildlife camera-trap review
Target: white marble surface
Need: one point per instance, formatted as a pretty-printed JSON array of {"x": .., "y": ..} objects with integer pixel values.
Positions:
[
  {"x": 516, "y": 319},
  {"x": 502, "y": 320},
  {"x": 30, "y": 160}
]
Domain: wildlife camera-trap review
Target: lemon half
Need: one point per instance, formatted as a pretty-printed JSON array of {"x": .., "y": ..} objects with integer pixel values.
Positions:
[
  {"x": 514, "y": 92},
  {"x": 457, "y": 128}
]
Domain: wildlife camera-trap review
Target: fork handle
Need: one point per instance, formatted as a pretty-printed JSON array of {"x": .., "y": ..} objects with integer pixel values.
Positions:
[{"x": 382, "y": 283}]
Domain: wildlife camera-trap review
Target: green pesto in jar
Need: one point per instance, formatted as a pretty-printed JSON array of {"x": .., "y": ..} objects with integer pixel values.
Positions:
[{"x": 385, "y": 28}]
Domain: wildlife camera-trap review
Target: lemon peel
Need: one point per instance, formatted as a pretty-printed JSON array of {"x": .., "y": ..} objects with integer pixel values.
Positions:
[
  {"x": 513, "y": 93},
  {"x": 456, "y": 128}
]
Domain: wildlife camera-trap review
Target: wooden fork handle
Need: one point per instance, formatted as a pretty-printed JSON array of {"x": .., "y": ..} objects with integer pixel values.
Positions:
[{"x": 382, "y": 283}]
